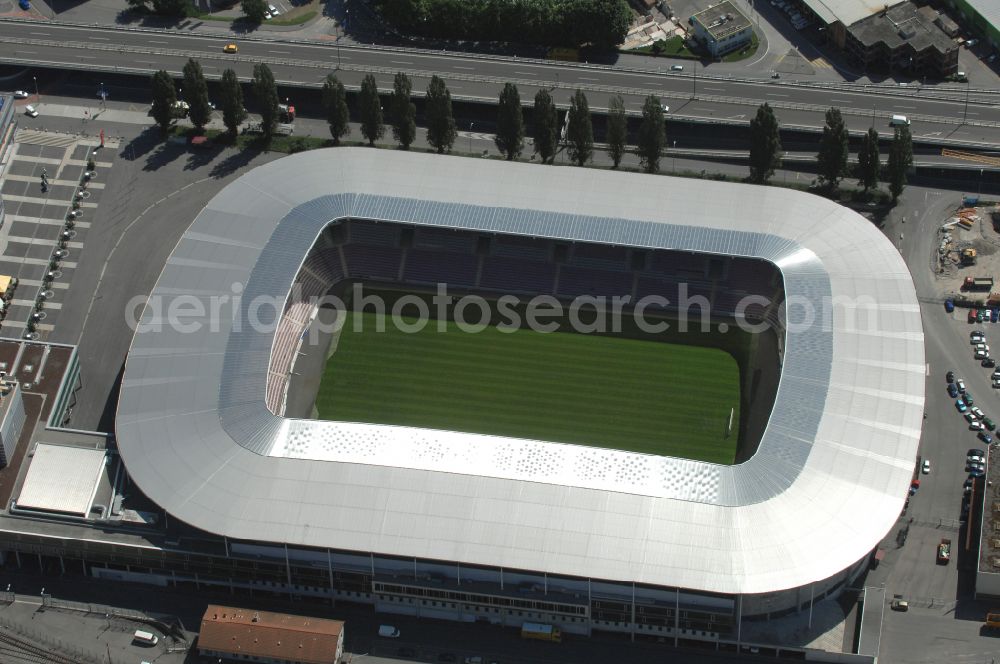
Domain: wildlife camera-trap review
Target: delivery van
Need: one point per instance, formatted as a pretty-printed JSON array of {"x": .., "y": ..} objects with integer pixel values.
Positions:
[
  {"x": 388, "y": 631},
  {"x": 899, "y": 120},
  {"x": 145, "y": 638}
]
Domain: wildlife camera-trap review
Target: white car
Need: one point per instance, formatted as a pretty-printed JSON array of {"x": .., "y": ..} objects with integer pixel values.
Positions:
[
  {"x": 926, "y": 467},
  {"x": 960, "y": 384},
  {"x": 976, "y": 425},
  {"x": 274, "y": 10},
  {"x": 267, "y": 16},
  {"x": 981, "y": 354},
  {"x": 30, "y": 111},
  {"x": 666, "y": 109},
  {"x": 676, "y": 67},
  {"x": 982, "y": 346},
  {"x": 977, "y": 412},
  {"x": 20, "y": 94},
  {"x": 996, "y": 383}
]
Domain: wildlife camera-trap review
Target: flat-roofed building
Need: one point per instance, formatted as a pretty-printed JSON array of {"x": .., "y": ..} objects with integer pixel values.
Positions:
[
  {"x": 722, "y": 28},
  {"x": 274, "y": 638},
  {"x": 887, "y": 37}
]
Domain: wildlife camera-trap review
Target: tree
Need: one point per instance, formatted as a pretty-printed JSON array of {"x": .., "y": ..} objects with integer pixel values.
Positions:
[
  {"x": 833, "y": 149},
  {"x": 510, "y": 123},
  {"x": 652, "y": 134},
  {"x": 370, "y": 110},
  {"x": 335, "y": 103},
  {"x": 441, "y": 130},
  {"x": 580, "y": 132},
  {"x": 172, "y": 7},
  {"x": 404, "y": 111},
  {"x": 138, "y": 5},
  {"x": 233, "y": 112},
  {"x": 900, "y": 160},
  {"x": 254, "y": 10},
  {"x": 196, "y": 96},
  {"x": 765, "y": 145},
  {"x": 869, "y": 160},
  {"x": 164, "y": 99},
  {"x": 266, "y": 92},
  {"x": 545, "y": 126},
  {"x": 617, "y": 130}
]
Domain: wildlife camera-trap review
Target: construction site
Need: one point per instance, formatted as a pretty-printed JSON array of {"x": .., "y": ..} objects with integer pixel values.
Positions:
[{"x": 969, "y": 253}]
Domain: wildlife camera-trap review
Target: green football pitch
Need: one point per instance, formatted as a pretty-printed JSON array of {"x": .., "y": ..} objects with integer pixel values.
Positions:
[{"x": 602, "y": 391}]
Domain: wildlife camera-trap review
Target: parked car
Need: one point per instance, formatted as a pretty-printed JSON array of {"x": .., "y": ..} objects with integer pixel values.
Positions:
[
  {"x": 950, "y": 377},
  {"x": 20, "y": 94},
  {"x": 952, "y": 391},
  {"x": 982, "y": 346},
  {"x": 976, "y": 453},
  {"x": 926, "y": 467},
  {"x": 979, "y": 316},
  {"x": 976, "y": 333},
  {"x": 975, "y": 425},
  {"x": 967, "y": 398},
  {"x": 996, "y": 383},
  {"x": 949, "y": 305},
  {"x": 978, "y": 413},
  {"x": 30, "y": 111},
  {"x": 989, "y": 424},
  {"x": 961, "y": 385},
  {"x": 676, "y": 67},
  {"x": 981, "y": 354},
  {"x": 961, "y": 406},
  {"x": 985, "y": 437},
  {"x": 988, "y": 362},
  {"x": 977, "y": 472}
]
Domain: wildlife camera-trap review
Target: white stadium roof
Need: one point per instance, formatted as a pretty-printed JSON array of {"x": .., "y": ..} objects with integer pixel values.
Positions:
[{"x": 826, "y": 484}]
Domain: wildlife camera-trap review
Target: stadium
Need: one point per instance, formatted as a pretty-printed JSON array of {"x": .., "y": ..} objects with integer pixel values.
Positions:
[{"x": 652, "y": 484}]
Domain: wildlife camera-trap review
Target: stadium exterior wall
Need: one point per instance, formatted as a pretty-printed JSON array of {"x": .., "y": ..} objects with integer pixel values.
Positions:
[{"x": 826, "y": 485}]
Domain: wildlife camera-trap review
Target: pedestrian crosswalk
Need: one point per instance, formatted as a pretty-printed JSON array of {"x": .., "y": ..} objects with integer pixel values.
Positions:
[
  {"x": 821, "y": 63},
  {"x": 48, "y": 138}
]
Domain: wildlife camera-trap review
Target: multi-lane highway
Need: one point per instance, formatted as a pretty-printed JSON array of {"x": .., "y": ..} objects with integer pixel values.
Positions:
[{"x": 952, "y": 112}]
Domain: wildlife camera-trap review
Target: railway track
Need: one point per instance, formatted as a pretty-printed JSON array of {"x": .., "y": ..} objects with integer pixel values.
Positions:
[{"x": 15, "y": 650}]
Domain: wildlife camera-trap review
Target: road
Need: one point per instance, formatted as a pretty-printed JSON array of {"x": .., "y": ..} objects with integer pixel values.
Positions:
[{"x": 937, "y": 112}]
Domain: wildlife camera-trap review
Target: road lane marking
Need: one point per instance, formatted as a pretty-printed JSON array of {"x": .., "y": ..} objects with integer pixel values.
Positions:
[
  {"x": 909, "y": 108},
  {"x": 153, "y": 41},
  {"x": 585, "y": 78},
  {"x": 100, "y": 38},
  {"x": 281, "y": 52},
  {"x": 526, "y": 73},
  {"x": 40, "y": 34},
  {"x": 775, "y": 94},
  {"x": 841, "y": 101},
  {"x": 401, "y": 62},
  {"x": 466, "y": 68}
]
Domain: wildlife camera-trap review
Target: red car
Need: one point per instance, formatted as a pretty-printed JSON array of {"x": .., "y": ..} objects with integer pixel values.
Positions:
[{"x": 972, "y": 315}]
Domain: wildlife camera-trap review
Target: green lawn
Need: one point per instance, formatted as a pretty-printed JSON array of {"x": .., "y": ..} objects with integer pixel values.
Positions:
[{"x": 612, "y": 392}]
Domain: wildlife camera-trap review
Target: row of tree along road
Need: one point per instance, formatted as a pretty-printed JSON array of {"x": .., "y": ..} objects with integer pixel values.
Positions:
[{"x": 576, "y": 134}]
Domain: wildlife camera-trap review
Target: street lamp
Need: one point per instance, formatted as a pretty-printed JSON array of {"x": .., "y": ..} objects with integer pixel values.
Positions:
[
  {"x": 965, "y": 113},
  {"x": 35, "y": 79},
  {"x": 673, "y": 153},
  {"x": 471, "y": 125}
]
